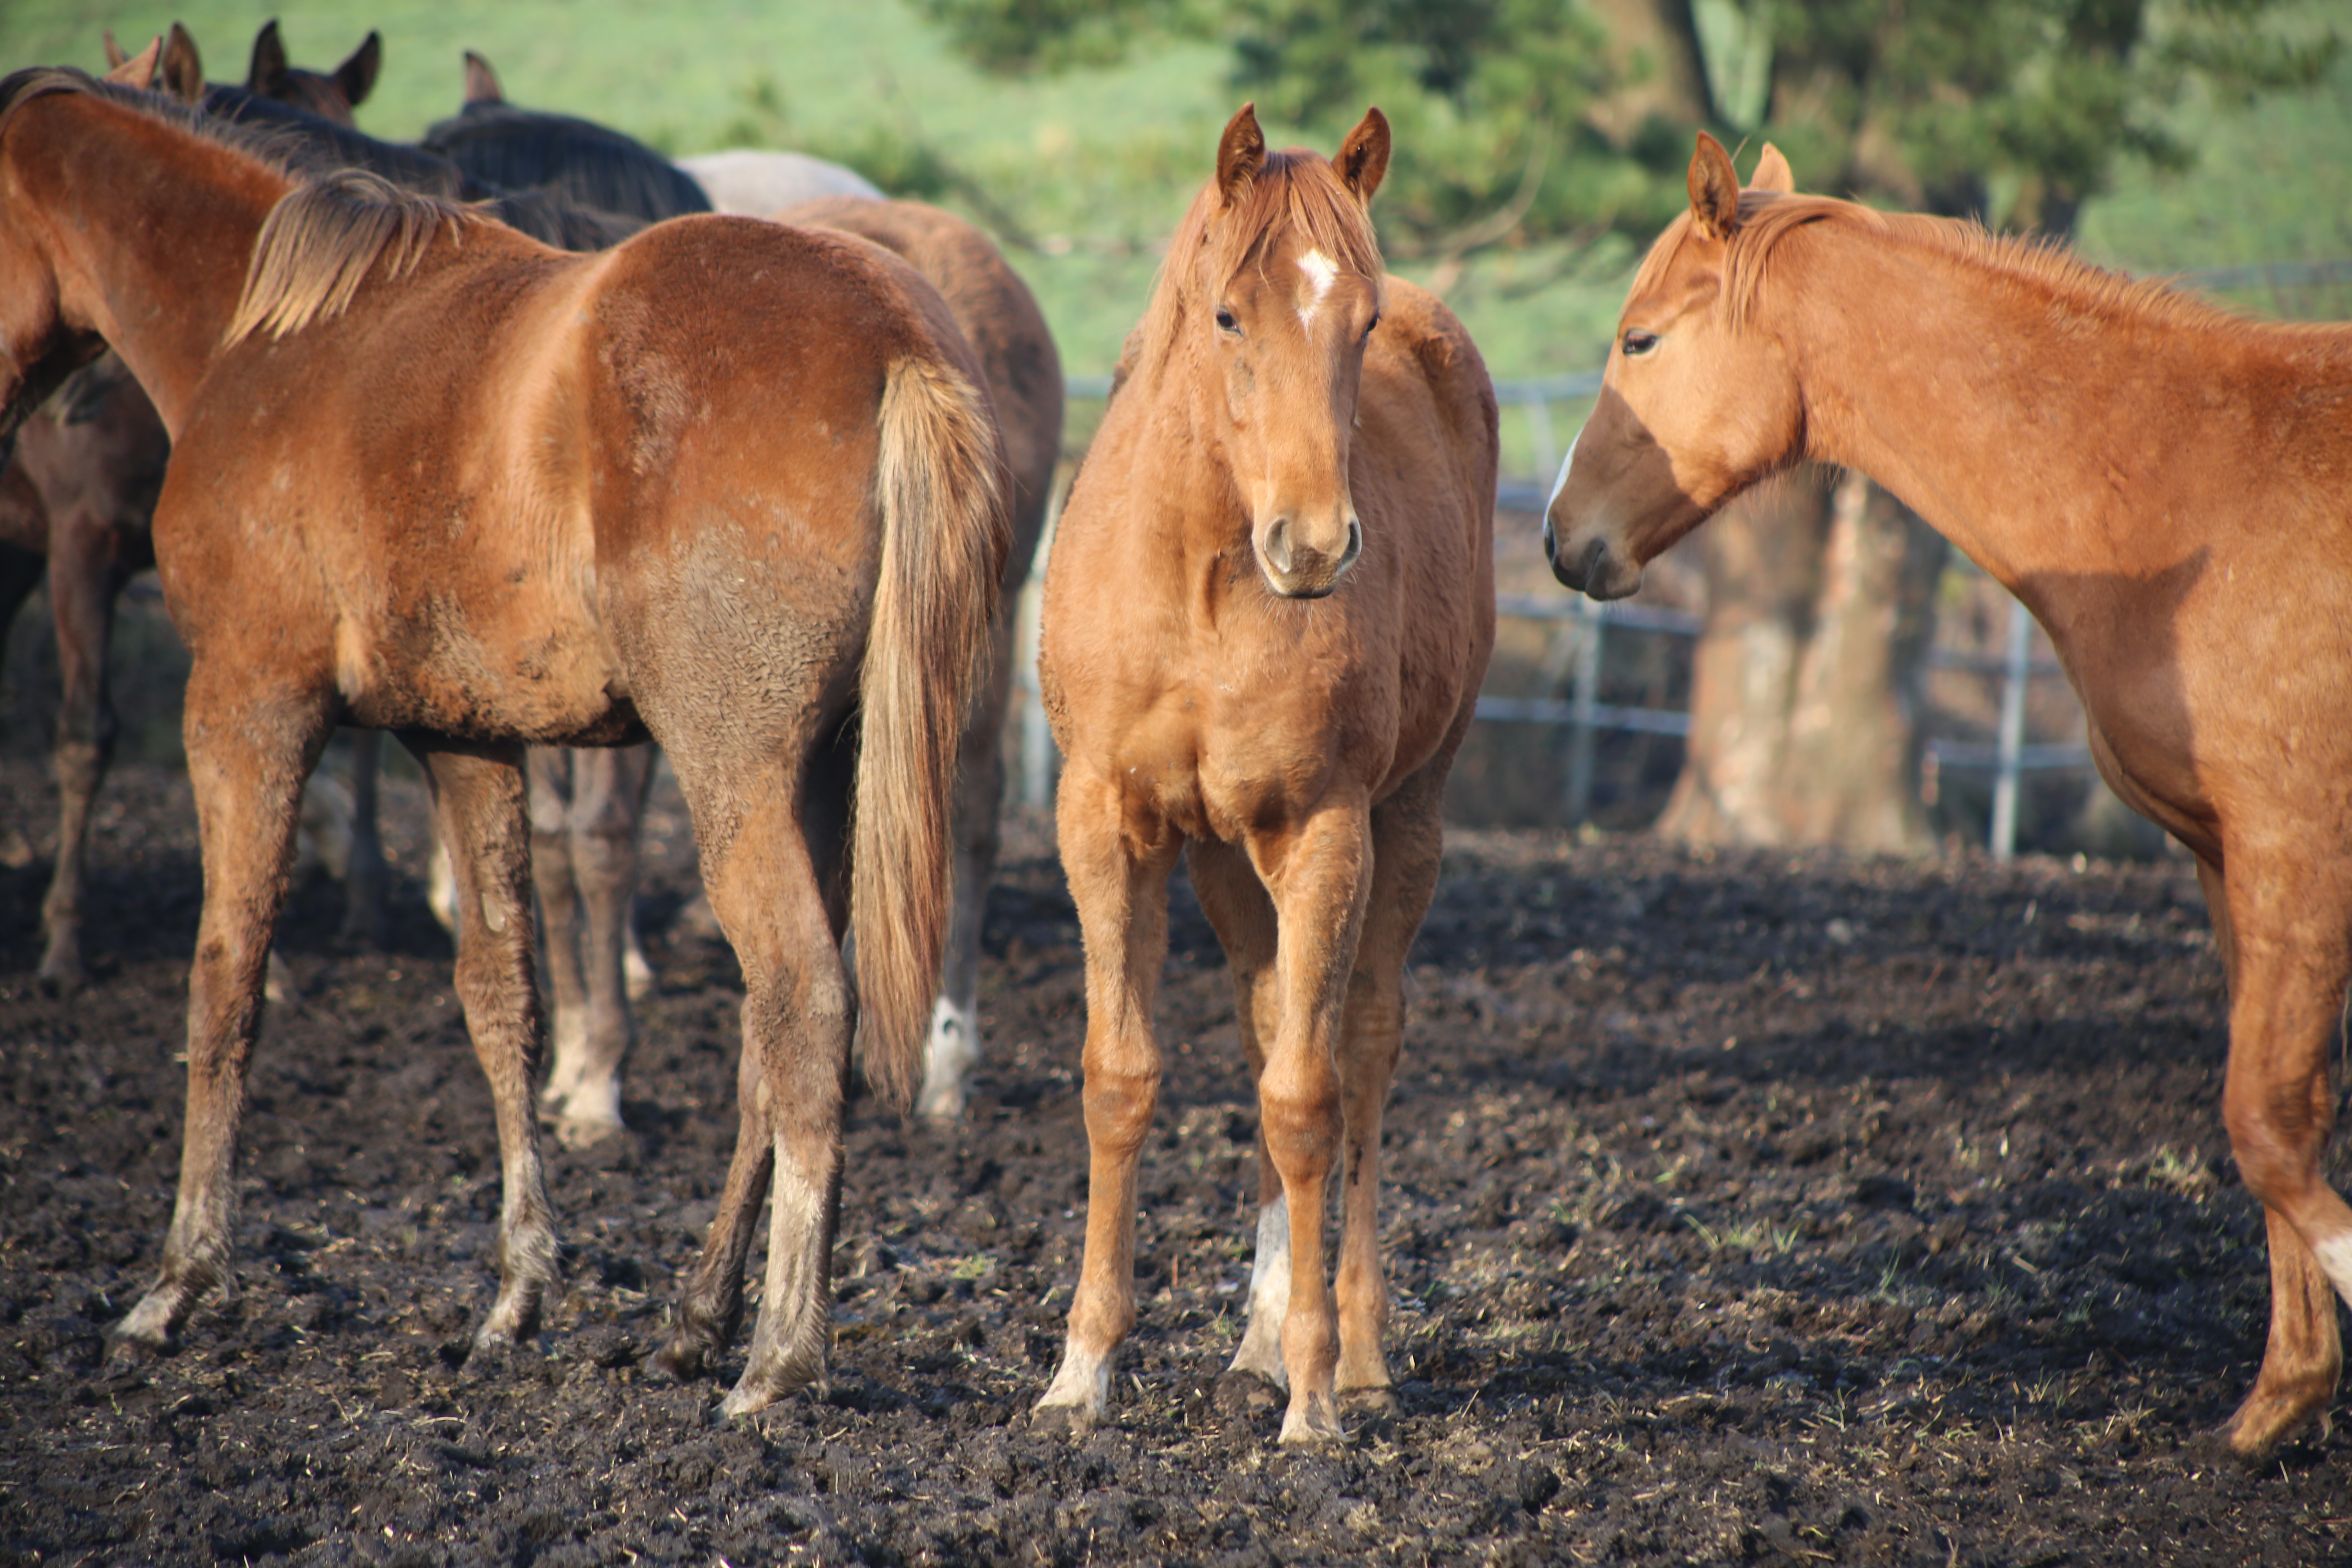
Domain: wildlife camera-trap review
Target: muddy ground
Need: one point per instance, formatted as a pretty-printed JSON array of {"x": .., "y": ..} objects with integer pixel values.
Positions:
[{"x": 1738, "y": 1208}]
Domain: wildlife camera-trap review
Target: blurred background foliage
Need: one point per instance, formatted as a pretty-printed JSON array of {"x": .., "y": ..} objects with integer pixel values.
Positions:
[{"x": 1540, "y": 143}]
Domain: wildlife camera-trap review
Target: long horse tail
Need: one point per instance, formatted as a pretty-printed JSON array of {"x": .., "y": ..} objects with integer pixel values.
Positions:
[{"x": 945, "y": 533}]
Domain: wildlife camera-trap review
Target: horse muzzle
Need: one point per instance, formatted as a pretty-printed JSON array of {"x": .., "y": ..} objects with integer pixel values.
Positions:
[
  {"x": 1296, "y": 570},
  {"x": 1589, "y": 565}
]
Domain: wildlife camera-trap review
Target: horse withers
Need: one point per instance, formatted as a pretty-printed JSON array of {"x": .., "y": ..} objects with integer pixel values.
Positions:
[
  {"x": 2166, "y": 486},
  {"x": 731, "y": 484},
  {"x": 1268, "y": 608}
]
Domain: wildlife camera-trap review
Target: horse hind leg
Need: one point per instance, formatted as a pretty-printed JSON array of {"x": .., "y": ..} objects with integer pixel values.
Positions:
[
  {"x": 365, "y": 878},
  {"x": 595, "y": 1027},
  {"x": 249, "y": 755},
  {"x": 954, "y": 1050},
  {"x": 2285, "y": 943},
  {"x": 478, "y": 804}
]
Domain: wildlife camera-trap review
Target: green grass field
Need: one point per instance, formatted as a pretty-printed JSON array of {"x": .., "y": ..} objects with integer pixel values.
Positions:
[{"x": 1094, "y": 167}]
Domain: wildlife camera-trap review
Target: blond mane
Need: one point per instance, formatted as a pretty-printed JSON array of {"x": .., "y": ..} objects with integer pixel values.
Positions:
[
  {"x": 318, "y": 244},
  {"x": 1766, "y": 220},
  {"x": 1293, "y": 189}
]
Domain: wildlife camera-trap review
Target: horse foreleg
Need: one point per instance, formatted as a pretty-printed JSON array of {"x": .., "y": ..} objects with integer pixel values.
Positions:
[
  {"x": 954, "y": 1047},
  {"x": 247, "y": 758},
  {"x": 2285, "y": 939},
  {"x": 1119, "y": 886},
  {"x": 1243, "y": 916},
  {"x": 1320, "y": 874},
  {"x": 1407, "y": 845},
  {"x": 479, "y": 804},
  {"x": 82, "y": 586}
]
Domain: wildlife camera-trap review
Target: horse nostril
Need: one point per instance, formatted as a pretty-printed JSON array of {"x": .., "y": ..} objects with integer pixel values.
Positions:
[
  {"x": 1551, "y": 541},
  {"x": 1277, "y": 544},
  {"x": 1355, "y": 544}
]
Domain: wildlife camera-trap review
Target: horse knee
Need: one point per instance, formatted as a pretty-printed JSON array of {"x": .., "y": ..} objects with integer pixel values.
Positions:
[
  {"x": 1119, "y": 1107},
  {"x": 2275, "y": 1134}
]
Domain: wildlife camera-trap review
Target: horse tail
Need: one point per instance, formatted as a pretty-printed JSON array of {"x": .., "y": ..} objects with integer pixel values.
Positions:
[{"x": 945, "y": 533}]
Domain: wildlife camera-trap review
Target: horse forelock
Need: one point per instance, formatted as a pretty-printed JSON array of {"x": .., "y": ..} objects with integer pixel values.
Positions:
[
  {"x": 1294, "y": 191},
  {"x": 322, "y": 240}
]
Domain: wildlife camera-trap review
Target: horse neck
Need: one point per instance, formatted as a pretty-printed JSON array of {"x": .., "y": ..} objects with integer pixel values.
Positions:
[
  {"x": 1992, "y": 402},
  {"x": 152, "y": 227},
  {"x": 1179, "y": 458}
]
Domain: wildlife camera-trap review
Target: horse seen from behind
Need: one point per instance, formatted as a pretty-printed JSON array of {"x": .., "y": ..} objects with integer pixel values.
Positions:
[
  {"x": 1268, "y": 607},
  {"x": 731, "y": 485},
  {"x": 2166, "y": 486}
]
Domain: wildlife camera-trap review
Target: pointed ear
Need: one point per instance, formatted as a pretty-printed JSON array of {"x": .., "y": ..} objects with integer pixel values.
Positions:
[
  {"x": 1364, "y": 156},
  {"x": 115, "y": 58},
  {"x": 481, "y": 82},
  {"x": 1773, "y": 173},
  {"x": 267, "y": 75},
  {"x": 1241, "y": 154},
  {"x": 139, "y": 71},
  {"x": 355, "y": 77},
  {"x": 182, "y": 68},
  {"x": 1714, "y": 191}
]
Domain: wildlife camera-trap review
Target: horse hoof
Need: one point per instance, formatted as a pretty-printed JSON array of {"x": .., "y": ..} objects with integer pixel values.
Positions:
[
  {"x": 614, "y": 1146},
  {"x": 146, "y": 1329},
  {"x": 2253, "y": 1435},
  {"x": 1243, "y": 1394},
  {"x": 1374, "y": 1401},
  {"x": 1067, "y": 1422},
  {"x": 684, "y": 1359}
]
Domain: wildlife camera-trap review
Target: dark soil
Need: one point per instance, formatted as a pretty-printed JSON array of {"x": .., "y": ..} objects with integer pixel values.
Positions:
[{"x": 1737, "y": 1208}]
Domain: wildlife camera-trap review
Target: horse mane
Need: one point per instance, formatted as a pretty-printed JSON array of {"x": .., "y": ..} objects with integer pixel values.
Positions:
[
  {"x": 265, "y": 145},
  {"x": 1292, "y": 189},
  {"x": 576, "y": 161},
  {"x": 2037, "y": 262},
  {"x": 311, "y": 144},
  {"x": 320, "y": 242}
]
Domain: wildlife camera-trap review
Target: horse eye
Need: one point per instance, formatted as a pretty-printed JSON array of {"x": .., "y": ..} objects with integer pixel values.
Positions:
[
  {"x": 1373, "y": 325},
  {"x": 1638, "y": 341},
  {"x": 1225, "y": 321}
]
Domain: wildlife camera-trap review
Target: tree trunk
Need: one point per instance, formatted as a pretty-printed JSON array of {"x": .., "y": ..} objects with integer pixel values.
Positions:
[
  {"x": 1806, "y": 684},
  {"x": 1653, "y": 56}
]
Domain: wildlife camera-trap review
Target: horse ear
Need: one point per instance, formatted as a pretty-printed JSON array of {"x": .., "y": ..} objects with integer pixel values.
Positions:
[
  {"x": 182, "y": 68},
  {"x": 356, "y": 76},
  {"x": 1241, "y": 154},
  {"x": 1773, "y": 173},
  {"x": 1364, "y": 156},
  {"x": 115, "y": 58},
  {"x": 1714, "y": 191},
  {"x": 481, "y": 82},
  {"x": 267, "y": 73},
  {"x": 139, "y": 70}
]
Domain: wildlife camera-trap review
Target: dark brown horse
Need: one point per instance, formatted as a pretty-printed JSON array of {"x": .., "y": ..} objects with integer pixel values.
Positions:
[
  {"x": 1268, "y": 608},
  {"x": 2166, "y": 486},
  {"x": 731, "y": 484}
]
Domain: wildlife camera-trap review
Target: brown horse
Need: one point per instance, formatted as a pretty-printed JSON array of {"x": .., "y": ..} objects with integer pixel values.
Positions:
[
  {"x": 2166, "y": 486},
  {"x": 76, "y": 503},
  {"x": 1268, "y": 608},
  {"x": 330, "y": 95},
  {"x": 731, "y": 484}
]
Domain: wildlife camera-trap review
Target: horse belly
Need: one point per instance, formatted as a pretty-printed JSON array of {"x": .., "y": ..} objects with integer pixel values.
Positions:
[{"x": 521, "y": 669}]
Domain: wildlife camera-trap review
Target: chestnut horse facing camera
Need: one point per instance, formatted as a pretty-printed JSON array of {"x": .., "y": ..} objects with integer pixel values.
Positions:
[
  {"x": 1267, "y": 611},
  {"x": 2167, "y": 486},
  {"x": 731, "y": 484}
]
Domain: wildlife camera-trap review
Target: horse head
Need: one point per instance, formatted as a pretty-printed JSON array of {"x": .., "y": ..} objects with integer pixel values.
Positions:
[
  {"x": 1286, "y": 290},
  {"x": 330, "y": 95},
  {"x": 1696, "y": 403}
]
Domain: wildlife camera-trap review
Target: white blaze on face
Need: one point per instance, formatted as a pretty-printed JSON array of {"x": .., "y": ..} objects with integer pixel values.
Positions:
[
  {"x": 1320, "y": 272},
  {"x": 1561, "y": 483}
]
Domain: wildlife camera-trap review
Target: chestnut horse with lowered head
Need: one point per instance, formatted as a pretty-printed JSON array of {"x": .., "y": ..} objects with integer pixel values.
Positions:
[
  {"x": 2166, "y": 486},
  {"x": 1268, "y": 608},
  {"x": 730, "y": 484}
]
